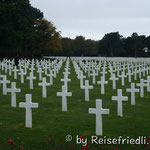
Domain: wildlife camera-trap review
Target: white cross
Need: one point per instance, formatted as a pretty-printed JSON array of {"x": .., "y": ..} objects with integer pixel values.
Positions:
[
  {"x": 94, "y": 75},
  {"x": 89, "y": 69},
  {"x": 55, "y": 70},
  {"x": 119, "y": 100},
  {"x": 4, "y": 82},
  {"x": 132, "y": 90},
  {"x": 10, "y": 69},
  {"x": 102, "y": 82},
  {"x": 148, "y": 83},
  {"x": 64, "y": 95},
  {"x": 103, "y": 72},
  {"x": 122, "y": 78},
  {"x": 22, "y": 73},
  {"x": 31, "y": 78},
  {"x": 44, "y": 90},
  {"x": 32, "y": 68},
  {"x": 51, "y": 75},
  {"x": 25, "y": 68},
  {"x": 143, "y": 70},
  {"x": 98, "y": 111},
  {"x": 1, "y": 76},
  {"x": 66, "y": 80},
  {"x": 113, "y": 78},
  {"x": 45, "y": 69},
  {"x": 118, "y": 71},
  {"x": 111, "y": 70},
  {"x": 81, "y": 77},
  {"x": 15, "y": 72},
  {"x": 13, "y": 92},
  {"x": 135, "y": 74},
  {"x": 129, "y": 75},
  {"x": 140, "y": 72},
  {"x": 141, "y": 85},
  {"x": 6, "y": 68},
  {"x": 28, "y": 105},
  {"x": 66, "y": 71},
  {"x": 87, "y": 87},
  {"x": 40, "y": 71}
]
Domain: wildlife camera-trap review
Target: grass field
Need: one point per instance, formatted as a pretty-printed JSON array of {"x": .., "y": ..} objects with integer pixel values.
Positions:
[{"x": 51, "y": 125}]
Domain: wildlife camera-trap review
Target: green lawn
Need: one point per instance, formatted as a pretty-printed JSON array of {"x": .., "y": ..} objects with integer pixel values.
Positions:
[{"x": 50, "y": 122}]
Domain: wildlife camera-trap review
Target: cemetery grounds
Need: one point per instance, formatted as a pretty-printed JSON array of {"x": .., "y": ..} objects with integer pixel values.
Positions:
[{"x": 51, "y": 125}]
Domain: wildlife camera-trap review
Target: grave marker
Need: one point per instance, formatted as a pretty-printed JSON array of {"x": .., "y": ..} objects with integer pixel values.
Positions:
[
  {"x": 64, "y": 95},
  {"x": 28, "y": 105},
  {"x": 13, "y": 90},
  {"x": 98, "y": 111},
  {"x": 119, "y": 100}
]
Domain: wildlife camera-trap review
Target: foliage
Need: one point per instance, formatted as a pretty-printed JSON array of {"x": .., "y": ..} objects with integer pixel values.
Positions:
[
  {"x": 17, "y": 26},
  {"x": 24, "y": 32},
  {"x": 111, "y": 45},
  {"x": 48, "y": 40},
  {"x": 79, "y": 47}
]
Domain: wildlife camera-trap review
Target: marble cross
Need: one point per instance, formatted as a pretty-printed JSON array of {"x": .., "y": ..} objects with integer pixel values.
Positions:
[
  {"x": 103, "y": 72},
  {"x": 4, "y": 82},
  {"x": 10, "y": 69},
  {"x": 119, "y": 100},
  {"x": 129, "y": 75},
  {"x": 31, "y": 78},
  {"x": 81, "y": 77},
  {"x": 148, "y": 83},
  {"x": 22, "y": 73},
  {"x": 102, "y": 82},
  {"x": 94, "y": 74},
  {"x": 40, "y": 71},
  {"x": 1, "y": 76},
  {"x": 98, "y": 111},
  {"x": 51, "y": 75},
  {"x": 114, "y": 79},
  {"x": 13, "y": 90},
  {"x": 66, "y": 71},
  {"x": 87, "y": 87},
  {"x": 122, "y": 78},
  {"x": 135, "y": 74},
  {"x": 132, "y": 90},
  {"x": 141, "y": 85},
  {"x": 44, "y": 84},
  {"x": 15, "y": 70},
  {"x": 64, "y": 95},
  {"x": 89, "y": 71},
  {"x": 28, "y": 105}
]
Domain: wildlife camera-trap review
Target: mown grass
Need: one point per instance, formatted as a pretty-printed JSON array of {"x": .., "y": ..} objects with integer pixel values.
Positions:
[{"x": 50, "y": 122}]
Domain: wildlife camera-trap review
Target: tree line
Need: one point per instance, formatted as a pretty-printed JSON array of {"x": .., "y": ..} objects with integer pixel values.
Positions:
[
  {"x": 111, "y": 45},
  {"x": 25, "y": 33}
]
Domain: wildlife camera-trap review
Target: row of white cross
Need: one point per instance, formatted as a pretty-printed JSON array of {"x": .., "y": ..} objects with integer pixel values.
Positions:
[
  {"x": 28, "y": 105},
  {"x": 119, "y": 98}
]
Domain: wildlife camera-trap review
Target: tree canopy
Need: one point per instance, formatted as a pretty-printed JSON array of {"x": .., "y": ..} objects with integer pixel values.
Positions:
[{"x": 24, "y": 31}]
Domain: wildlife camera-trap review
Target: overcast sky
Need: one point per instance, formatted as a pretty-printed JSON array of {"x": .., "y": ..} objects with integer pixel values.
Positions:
[{"x": 94, "y": 18}]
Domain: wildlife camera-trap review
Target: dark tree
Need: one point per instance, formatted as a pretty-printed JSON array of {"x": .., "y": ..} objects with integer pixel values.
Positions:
[
  {"x": 17, "y": 31},
  {"x": 111, "y": 45}
]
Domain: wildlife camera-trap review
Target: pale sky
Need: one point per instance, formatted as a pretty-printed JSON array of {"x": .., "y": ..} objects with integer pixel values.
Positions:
[{"x": 94, "y": 18}]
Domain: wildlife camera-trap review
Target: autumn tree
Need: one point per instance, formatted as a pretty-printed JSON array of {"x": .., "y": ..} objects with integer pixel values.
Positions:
[{"x": 48, "y": 40}]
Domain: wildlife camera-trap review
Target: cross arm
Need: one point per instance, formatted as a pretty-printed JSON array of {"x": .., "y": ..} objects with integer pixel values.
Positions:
[{"x": 92, "y": 111}]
